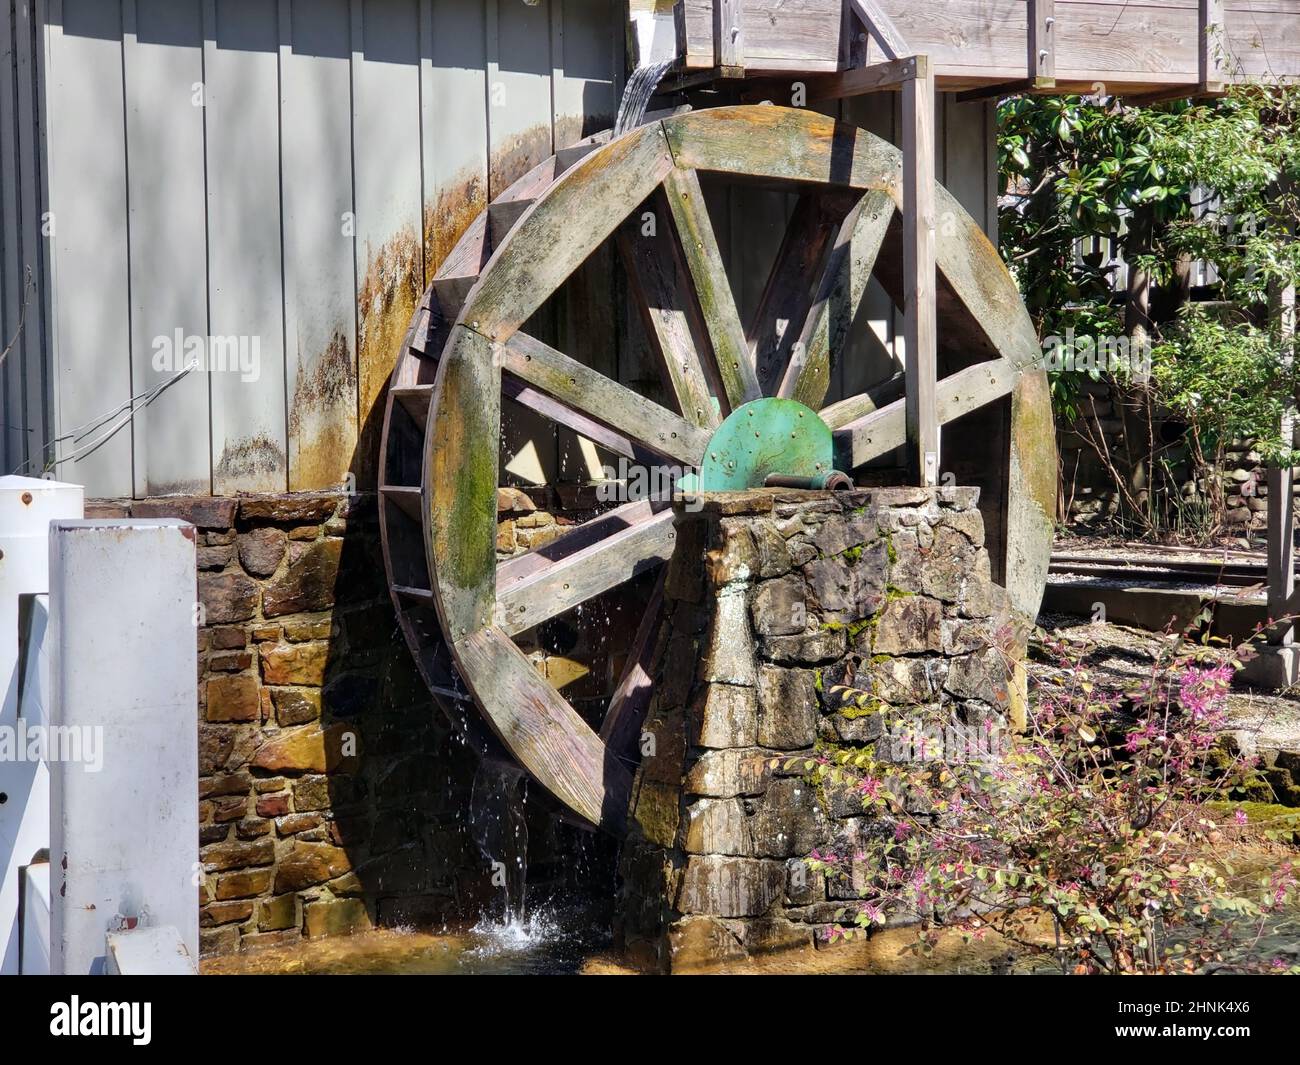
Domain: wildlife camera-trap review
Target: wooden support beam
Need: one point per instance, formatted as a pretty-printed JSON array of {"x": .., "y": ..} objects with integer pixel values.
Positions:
[
  {"x": 1213, "y": 50},
  {"x": 1281, "y": 503},
  {"x": 1041, "y": 37},
  {"x": 919, "y": 309},
  {"x": 882, "y": 28},
  {"x": 728, "y": 33},
  {"x": 592, "y": 393},
  {"x": 822, "y": 87},
  {"x": 717, "y": 304}
]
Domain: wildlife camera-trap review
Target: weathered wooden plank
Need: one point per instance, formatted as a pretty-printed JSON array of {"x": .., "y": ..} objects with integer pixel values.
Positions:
[
  {"x": 460, "y": 490},
  {"x": 845, "y": 411},
  {"x": 869, "y": 353},
  {"x": 319, "y": 255},
  {"x": 242, "y": 91},
  {"x": 578, "y": 538},
  {"x": 728, "y": 33},
  {"x": 661, "y": 291},
  {"x": 570, "y": 579},
  {"x": 546, "y": 246},
  {"x": 778, "y": 322},
  {"x": 882, "y": 29},
  {"x": 731, "y": 358},
  {"x": 793, "y": 34},
  {"x": 388, "y": 196},
  {"x": 543, "y": 732},
  {"x": 822, "y": 87},
  {"x": 839, "y": 296},
  {"x": 592, "y": 393},
  {"x": 598, "y": 433},
  {"x": 89, "y": 242},
  {"x": 1041, "y": 39},
  {"x": 919, "y": 301},
  {"x": 621, "y": 726},
  {"x": 162, "y": 50},
  {"x": 1212, "y": 61},
  {"x": 879, "y": 432}
]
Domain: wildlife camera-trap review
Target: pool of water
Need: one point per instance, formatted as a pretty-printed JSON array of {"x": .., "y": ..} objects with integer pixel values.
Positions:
[{"x": 549, "y": 942}]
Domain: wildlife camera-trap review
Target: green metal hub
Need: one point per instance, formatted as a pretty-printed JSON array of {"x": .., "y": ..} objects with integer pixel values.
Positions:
[{"x": 768, "y": 438}]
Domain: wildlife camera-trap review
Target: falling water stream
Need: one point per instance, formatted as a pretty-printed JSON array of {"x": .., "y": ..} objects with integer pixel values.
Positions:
[{"x": 641, "y": 85}]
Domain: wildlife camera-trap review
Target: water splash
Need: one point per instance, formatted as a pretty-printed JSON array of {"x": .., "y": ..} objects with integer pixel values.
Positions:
[
  {"x": 641, "y": 85},
  {"x": 497, "y": 824}
]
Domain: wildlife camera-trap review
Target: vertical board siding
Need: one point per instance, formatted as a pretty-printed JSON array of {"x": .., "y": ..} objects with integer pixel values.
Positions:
[
  {"x": 245, "y": 256},
  {"x": 454, "y": 122},
  {"x": 167, "y": 231},
  {"x": 319, "y": 225},
  {"x": 89, "y": 248},
  {"x": 386, "y": 158},
  {"x": 339, "y": 150}
]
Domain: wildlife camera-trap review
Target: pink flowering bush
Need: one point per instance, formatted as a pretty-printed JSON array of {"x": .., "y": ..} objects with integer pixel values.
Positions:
[{"x": 1086, "y": 838}]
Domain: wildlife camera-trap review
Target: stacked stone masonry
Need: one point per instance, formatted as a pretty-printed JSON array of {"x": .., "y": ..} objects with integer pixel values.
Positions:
[{"x": 775, "y": 598}]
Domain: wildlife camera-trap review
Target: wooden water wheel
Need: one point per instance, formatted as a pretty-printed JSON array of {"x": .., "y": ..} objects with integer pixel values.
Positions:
[{"x": 468, "y": 357}]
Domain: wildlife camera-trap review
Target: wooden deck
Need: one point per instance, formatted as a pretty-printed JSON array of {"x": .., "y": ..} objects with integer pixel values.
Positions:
[{"x": 1115, "y": 46}]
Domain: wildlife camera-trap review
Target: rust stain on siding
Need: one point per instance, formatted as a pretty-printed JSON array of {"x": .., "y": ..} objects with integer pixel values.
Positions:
[
  {"x": 390, "y": 292},
  {"x": 323, "y": 417},
  {"x": 253, "y": 461},
  {"x": 522, "y": 151},
  {"x": 450, "y": 214}
]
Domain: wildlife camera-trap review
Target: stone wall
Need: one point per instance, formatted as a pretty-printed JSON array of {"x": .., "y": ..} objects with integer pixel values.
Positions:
[
  {"x": 775, "y": 599},
  {"x": 1089, "y": 495},
  {"x": 332, "y": 795}
]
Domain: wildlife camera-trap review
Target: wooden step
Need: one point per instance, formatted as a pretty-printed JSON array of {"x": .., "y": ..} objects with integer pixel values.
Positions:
[
  {"x": 406, "y": 498},
  {"x": 460, "y": 270},
  {"x": 414, "y": 596},
  {"x": 503, "y": 214},
  {"x": 415, "y": 400}
]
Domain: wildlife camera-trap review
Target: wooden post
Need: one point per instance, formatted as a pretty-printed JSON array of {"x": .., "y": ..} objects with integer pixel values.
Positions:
[
  {"x": 1212, "y": 46},
  {"x": 1281, "y": 504},
  {"x": 1042, "y": 39},
  {"x": 728, "y": 34},
  {"x": 919, "y": 274}
]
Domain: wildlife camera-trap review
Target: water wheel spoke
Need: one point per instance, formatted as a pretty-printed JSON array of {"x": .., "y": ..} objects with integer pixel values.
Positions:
[
  {"x": 782, "y": 310},
  {"x": 839, "y": 296},
  {"x": 661, "y": 289},
  {"x": 597, "y": 432},
  {"x": 578, "y": 566},
  {"x": 717, "y": 304},
  {"x": 850, "y": 409},
  {"x": 879, "y": 432},
  {"x": 543, "y": 731},
  {"x": 621, "y": 726},
  {"x": 603, "y": 400}
]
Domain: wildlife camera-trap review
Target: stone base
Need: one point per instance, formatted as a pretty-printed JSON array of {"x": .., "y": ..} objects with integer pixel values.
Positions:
[{"x": 773, "y": 599}]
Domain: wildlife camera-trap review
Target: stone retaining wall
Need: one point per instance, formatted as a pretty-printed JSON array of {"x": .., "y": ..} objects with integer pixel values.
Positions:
[{"x": 776, "y": 598}]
